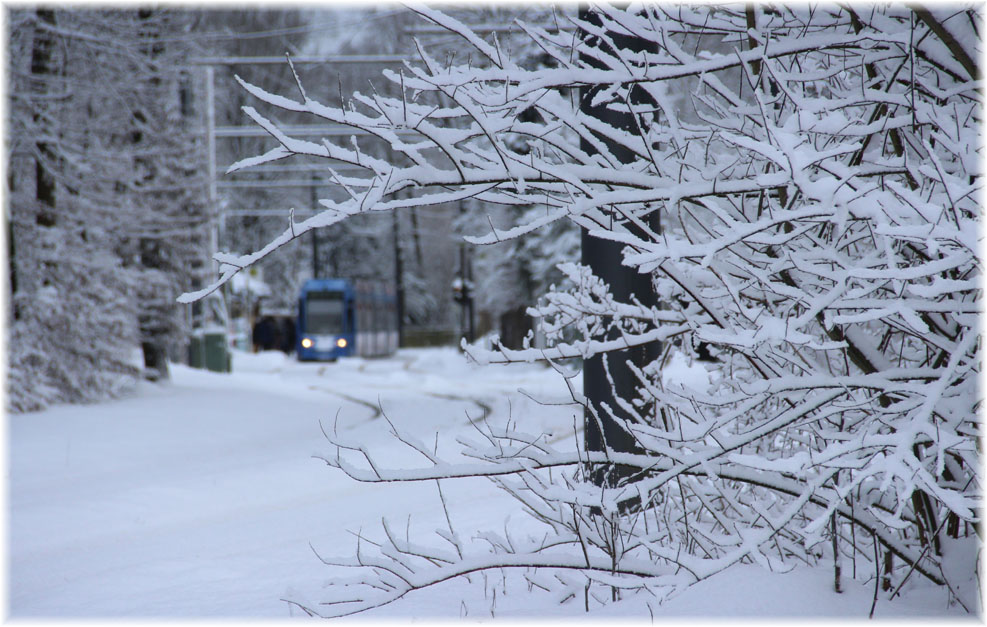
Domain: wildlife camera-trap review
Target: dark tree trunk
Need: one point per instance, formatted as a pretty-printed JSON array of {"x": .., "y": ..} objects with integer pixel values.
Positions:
[
  {"x": 604, "y": 430},
  {"x": 42, "y": 67},
  {"x": 12, "y": 269},
  {"x": 154, "y": 333}
]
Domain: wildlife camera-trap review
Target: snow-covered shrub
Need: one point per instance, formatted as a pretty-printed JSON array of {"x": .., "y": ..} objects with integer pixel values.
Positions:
[
  {"x": 816, "y": 173},
  {"x": 73, "y": 328}
]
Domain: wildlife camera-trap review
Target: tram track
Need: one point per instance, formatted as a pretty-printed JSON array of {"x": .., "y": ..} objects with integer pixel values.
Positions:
[
  {"x": 377, "y": 413},
  {"x": 485, "y": 409},
  {"x": 408, "y": 364}
]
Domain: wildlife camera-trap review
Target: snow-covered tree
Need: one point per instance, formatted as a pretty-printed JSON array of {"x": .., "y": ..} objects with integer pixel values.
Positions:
[
  {"x": 800, "y": 184},
  {"x": 103, "y": 200},
  {"x": 166, "y": 187}
]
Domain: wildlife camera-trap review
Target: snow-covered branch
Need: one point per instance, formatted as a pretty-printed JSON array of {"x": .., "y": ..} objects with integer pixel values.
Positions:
[{"x": 801, "y": 185}]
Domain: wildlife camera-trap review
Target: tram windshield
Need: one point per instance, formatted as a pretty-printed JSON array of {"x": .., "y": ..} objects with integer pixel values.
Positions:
[{"x": 324, "y": 313}]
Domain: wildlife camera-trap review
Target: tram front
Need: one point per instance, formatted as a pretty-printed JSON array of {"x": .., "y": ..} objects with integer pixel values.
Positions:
[{"x": 325, "y": 320}]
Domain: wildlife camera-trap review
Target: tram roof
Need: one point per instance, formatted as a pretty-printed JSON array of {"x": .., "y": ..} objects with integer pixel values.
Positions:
[{"x": 313, "y": 285}]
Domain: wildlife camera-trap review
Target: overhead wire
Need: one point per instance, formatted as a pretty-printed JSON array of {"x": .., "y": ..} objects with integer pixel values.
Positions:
[
  {"x": 260, "y": 34},
  {"x": 288, "y": 30}
]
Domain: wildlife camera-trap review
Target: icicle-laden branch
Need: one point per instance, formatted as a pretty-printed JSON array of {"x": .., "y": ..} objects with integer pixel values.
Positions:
[{"x": 816, "y": 173}]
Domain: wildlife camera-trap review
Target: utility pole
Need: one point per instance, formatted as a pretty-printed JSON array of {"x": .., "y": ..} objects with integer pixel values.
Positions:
[
  {"x": 463, "y": 294},
  {"x": 214, "y": 212},
  {"x": 315, "y": 237},
  {"x": 604, "y": 417},
  {"x": 398, "y": 276},
  {"x": 219, "y": 214}
]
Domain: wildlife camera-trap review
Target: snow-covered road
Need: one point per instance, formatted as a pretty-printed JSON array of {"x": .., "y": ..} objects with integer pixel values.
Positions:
[{"x": 201, "y": 497}]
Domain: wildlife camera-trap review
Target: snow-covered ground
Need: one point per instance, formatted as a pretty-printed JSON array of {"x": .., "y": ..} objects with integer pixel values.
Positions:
[{"x": 201, "y": 497}]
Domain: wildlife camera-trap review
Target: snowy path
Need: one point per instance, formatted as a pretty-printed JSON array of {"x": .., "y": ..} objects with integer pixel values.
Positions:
[{"x": 201, "y": 498}]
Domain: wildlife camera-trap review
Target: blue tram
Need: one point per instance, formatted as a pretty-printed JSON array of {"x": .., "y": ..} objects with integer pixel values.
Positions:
[{"x": 340, "y": 318}]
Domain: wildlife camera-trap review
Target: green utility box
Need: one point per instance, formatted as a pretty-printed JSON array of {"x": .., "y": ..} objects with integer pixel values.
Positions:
[
  {"x": 217, "y": 356},
  {"x": 208, "y": 350},
  {"x": 196, "y": 353}
]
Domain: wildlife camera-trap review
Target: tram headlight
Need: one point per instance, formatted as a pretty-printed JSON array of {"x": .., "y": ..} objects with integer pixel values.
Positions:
[
  {"x": 341, "y": 342},
  {"x": 306, "y": 343}
]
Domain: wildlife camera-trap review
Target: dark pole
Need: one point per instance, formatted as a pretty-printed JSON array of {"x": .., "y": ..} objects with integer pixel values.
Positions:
[
  {"x": 466, "y": 280},
  {"x": 604, "y": 430},
  {"x": 469, "y": 297},
  {"x": 462, "y": 283},
  {"x": 398, "y": 277},
  {"x": 315, "y": 237}
]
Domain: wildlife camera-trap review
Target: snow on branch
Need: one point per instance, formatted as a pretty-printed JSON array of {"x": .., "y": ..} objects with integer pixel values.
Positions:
[{"x": 802, "y": 187}]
